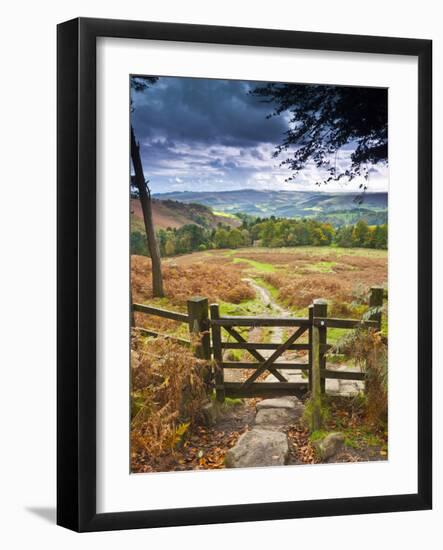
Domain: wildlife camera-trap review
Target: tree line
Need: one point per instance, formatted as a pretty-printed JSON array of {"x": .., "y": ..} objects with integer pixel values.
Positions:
[{"x": 270, "y": 233}]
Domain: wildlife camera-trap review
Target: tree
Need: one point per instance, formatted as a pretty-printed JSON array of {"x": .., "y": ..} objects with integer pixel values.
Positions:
[
  {"x": 138, "y": 244},
  {"x": 361, "y": 233},
  {"x": 267, "y": 233},
  {"x": 246, "y": 237},
  {"x": 144, "y": 193},
  {"x": 302, "y": 233},
  {"x": 235, "y": 238},
  {"x": 381, "y": 236},
  {"x": 197, "y": 235},
  {"x": 328, "y": 232},
  {"x": 370, "y": 239},
  {"x": 255, "y": 231},
  {"x": 343, "y": 236},
  {"x": 323, "y": 119},
  {"x": 318, "y": 237},
  {"x": 170, "y": 246},
  {"x": 221, "y": 238}
]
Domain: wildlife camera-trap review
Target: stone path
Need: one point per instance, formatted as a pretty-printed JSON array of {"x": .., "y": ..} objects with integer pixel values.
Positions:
[
  {"x": 345, "y": 388},
  {"x": 266, "y": 444}
]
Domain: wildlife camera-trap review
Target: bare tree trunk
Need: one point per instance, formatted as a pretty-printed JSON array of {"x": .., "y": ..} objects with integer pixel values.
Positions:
[{"x": 145, "y": 200}]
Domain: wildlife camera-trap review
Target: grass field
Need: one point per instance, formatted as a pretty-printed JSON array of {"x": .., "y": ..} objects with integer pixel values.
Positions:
[{"x": 294, "y": 277}]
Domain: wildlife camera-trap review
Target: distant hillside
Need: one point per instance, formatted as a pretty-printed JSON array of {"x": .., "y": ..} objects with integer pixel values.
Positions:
[
  {"x": 171, "y": 213},
  {"x": 338, "y": 218},
  {"x": 340, "y": 207}
]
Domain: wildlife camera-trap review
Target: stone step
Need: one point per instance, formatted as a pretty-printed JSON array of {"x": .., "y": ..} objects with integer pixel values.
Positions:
[
  {"x": 286, "y": 402},
  {"x": 277, "y": 419},
  {"x": 266, "y": 444},
  {"x": 258, "y": 448}
]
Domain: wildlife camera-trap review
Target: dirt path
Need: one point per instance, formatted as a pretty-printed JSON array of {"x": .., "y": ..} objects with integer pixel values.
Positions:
[
  {"x": 274, "y": 310},
  {"x": 266, "y": 298},
  {"x": 276, "y": 334},
  {"x": 333, "y": 386}
]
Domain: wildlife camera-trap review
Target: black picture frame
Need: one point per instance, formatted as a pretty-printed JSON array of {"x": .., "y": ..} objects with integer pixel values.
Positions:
[{"x": 76, "y": 264}]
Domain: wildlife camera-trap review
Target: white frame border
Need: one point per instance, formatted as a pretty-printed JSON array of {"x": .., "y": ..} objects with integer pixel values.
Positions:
[{"x": 117, "y": 490}]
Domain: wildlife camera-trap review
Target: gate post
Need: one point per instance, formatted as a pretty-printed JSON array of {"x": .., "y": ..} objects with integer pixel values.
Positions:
[
  {"x": 316, "y": 390},
  {"x": 376, "y": 301},
  {"x": 321, "y": 310},
  {"x": 218, "y": 356},
  {"x": 310, "y": 354},
  {"x": 199, "y": 326},
  {"x": 132, "y": 317}
]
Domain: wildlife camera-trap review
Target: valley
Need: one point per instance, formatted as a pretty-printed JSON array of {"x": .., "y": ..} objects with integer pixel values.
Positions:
[{"x": 337, "y": 208}]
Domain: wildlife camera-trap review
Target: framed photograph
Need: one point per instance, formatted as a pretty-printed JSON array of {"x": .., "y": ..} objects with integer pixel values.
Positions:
[{"x": 244, "y": 274}]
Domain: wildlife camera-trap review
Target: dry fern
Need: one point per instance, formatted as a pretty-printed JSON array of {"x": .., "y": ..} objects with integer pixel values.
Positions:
[{"x": 168, "y": 389}]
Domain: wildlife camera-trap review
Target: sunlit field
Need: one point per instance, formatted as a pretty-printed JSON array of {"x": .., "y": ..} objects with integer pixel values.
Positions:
[{"x": 293, "y": 276}]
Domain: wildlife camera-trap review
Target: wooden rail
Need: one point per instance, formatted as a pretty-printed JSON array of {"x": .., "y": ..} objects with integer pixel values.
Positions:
[
  {"x": 251, "y": 365},
  {"x": 154, "y": 334},
  {"x": 268, "y": 346},
  {"x": 166, "y": 314},
  {"x": 260, "y": 322},
  {"x": 329, "y": 322},
  {"x": 342, "y": 374},
  {"x": 197, "y": 320},
  {"x": 264, "y": 389}
]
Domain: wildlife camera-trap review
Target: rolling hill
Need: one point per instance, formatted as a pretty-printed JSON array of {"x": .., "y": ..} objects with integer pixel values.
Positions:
[
  {"x": 171, "y": 213},
  {"x": 339, "y": 208}
]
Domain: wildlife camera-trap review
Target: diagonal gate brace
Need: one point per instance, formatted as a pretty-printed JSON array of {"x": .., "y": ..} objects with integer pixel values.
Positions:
[
  {"x": 268, "y": 364},
  {"x": 255, "y": 353}
]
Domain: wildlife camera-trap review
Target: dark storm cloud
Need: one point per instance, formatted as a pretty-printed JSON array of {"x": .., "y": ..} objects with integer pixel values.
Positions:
[
  {"x": 202, "y": 110},
  {"x": 203, "y": 134}
]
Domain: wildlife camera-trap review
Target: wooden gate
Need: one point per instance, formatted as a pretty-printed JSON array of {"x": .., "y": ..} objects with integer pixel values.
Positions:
[
  {"x": 315, "y": 325},
  {"x": 252, "y": 387}
]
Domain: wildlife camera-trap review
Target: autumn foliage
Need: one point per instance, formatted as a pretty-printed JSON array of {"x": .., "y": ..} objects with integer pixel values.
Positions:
[
  {"x": 369, "y": 350},
  {"x": 183, "y": 281},
  {"x": 334, "y": 278},
  {"x": 168, "y": 390},
  {"x": 199, "y": 279}
]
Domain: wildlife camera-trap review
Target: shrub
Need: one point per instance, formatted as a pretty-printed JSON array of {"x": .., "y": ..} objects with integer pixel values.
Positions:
[
  {"x": 339, "y": 309},
  {"x": 369, "y": 350},
  {"x": 168, "y": 390},
  {"x": 139, "y": 244}
]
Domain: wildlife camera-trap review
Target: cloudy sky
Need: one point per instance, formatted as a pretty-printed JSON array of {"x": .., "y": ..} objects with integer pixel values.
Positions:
[{"x": 206, "y": 135}]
